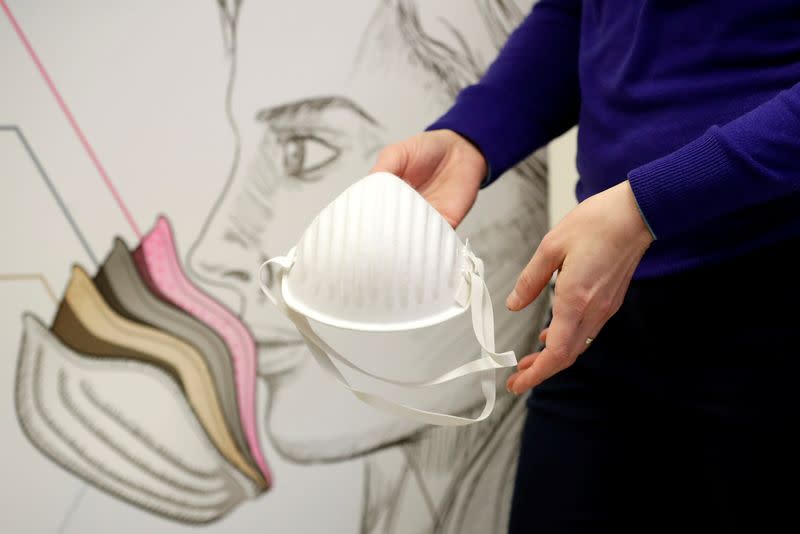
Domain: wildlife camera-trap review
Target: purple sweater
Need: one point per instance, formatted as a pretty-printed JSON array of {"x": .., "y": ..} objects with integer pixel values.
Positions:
[{"x": 697, "y": 103}]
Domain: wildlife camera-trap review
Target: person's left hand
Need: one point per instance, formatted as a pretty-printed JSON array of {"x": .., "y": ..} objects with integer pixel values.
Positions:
[{"x": 595, "y": 250}]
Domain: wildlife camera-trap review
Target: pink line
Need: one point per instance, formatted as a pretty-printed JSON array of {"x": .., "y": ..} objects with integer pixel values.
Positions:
[{"x": 70, "y": 118}]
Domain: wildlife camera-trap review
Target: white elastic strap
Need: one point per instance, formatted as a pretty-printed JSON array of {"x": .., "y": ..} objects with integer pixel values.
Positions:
[{"x": 483, "y": 325}]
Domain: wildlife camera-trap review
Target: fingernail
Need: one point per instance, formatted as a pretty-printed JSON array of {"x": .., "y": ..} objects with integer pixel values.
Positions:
[{"x": 513, "y": 300}]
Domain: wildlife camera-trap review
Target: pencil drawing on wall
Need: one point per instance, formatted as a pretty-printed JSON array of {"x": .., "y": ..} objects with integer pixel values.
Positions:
[{"x": 165, "y": 371}]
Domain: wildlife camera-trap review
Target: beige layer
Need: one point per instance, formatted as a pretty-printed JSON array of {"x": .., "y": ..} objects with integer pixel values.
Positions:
[{"x": 87, "y": 324}]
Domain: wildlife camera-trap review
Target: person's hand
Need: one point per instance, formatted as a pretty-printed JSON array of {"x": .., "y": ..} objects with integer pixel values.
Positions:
[
  {"x": 595, "y": 250},
  {"x": 444, "y": 167}
]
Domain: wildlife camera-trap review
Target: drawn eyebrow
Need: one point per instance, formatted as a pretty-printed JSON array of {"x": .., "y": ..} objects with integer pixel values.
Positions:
[{"x": 312, "y": 106}]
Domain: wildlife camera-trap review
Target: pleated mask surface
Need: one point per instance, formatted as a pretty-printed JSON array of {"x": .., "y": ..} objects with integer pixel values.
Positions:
[{"x": 380, "y": 258}]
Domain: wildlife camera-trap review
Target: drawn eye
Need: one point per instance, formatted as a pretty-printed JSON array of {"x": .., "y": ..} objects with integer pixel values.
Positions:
[{"x": 302, "y": 155}]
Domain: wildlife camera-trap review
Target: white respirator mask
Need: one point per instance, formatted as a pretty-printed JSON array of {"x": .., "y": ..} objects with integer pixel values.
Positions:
[{"x": 380, "y": 258}]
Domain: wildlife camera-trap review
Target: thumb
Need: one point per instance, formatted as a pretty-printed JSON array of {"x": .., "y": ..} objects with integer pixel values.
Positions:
[
  {"x": 535, "y": 276},
  {"x": 393, "y": 159}
]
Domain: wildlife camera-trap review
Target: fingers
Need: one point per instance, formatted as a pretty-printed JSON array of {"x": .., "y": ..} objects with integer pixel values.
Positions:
[
  {"x": 525, "y": 362},
  {"x": 393, "y": 159},
  {"x": 559, "y": 353},
  {"x": 536, "y": 275},
  {"x": 574, "y": 321},
  {"x": 512, "y": 380}
]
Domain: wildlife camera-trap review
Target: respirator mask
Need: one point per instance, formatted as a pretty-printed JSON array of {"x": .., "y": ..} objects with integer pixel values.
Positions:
[{"x": 380, "y": 258}]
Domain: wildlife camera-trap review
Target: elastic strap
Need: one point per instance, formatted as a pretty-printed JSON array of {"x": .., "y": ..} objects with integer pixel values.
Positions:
[{"x": 482, "y": 323}]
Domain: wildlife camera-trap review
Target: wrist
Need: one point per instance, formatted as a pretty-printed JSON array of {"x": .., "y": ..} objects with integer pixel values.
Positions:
[
  {"x": 640, "y": 229},
  {"x": 467, "y": 148}
]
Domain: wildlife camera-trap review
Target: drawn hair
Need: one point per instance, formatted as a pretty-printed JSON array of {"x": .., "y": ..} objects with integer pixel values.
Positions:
[{"x": 455, "y": 67}]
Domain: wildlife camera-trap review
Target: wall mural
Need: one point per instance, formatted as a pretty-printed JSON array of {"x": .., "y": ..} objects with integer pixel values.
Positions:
[{"x": 165, "y": 374}]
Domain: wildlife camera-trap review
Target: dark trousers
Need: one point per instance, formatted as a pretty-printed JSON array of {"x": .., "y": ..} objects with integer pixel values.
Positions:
[{"x": 680, "y": 415}]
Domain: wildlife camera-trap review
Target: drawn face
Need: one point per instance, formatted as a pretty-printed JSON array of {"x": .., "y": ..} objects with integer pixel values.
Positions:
[{"x": 295, "y": 158}]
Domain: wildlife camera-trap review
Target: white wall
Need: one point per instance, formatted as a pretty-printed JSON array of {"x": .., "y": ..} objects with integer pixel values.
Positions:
[
  {"x": 147, "y": 82},
  {"x": 563, "y": 175}
]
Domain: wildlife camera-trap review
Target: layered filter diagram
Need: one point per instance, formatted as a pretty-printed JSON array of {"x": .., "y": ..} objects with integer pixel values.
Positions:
[{"x": 145, "y": 386}]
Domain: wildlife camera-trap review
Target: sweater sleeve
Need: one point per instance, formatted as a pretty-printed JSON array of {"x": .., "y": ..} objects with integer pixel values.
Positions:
[
  {"x": 751, "y": 160},
  {"x": 529, "y": 95}
]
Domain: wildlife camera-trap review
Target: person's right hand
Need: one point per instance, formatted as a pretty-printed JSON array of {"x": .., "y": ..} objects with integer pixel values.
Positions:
[{"x": 442, "y": 166}]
